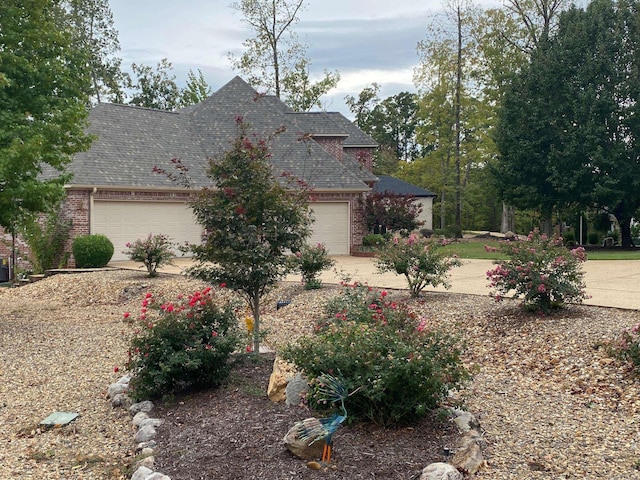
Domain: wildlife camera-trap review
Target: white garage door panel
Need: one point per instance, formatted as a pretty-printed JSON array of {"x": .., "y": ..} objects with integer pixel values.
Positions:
[
  {"x": 125, "y": 222},
  {"x": 331, "y": 226}
]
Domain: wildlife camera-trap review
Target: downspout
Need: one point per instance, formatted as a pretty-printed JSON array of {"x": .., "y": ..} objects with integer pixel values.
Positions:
[{"x": 93, "y": 192}]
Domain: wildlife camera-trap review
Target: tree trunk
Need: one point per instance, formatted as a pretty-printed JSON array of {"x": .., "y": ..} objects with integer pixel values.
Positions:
[
  {"x": 458, "y": 221},
  {"x": 625, "y": 232},
  {"x": 255, "y": 307},
  {"x": 508, "y": 223}
]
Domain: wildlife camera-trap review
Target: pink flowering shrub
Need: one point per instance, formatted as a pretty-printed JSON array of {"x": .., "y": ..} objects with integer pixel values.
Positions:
[
  {"x": 541, "y": 271},
  {"x": 421, "y": 262},
  {"x": 398, "y": 367},
  {"x": 627, "y": 348},
  {"x": 153, "y": 251},
  {"x": 180, "y": 345}
]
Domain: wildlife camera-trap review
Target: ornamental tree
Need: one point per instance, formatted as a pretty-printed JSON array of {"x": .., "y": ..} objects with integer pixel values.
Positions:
[
  {"x": 421, "y": 262},
  {"x": 395, "y": 212},
  {"x": 541, "y": 271},
  {"x": 252, "y": 221}
]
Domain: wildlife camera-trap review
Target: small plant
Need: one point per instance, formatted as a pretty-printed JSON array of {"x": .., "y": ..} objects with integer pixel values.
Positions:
[
  {"x": 310, "y": 261},
  {"x": 627, "y": 347},
  {"x": 593, "y": 238},
  {"x": 181, "y": 345},
  {"x": 373, "y": 240},
  {"x": 540, "y": 270},
  {"x": 154, "y": 251},
  {"x": 397, "y": 369},
  {"x": 421, "y": 262},
  {"x": 92, "y": 251}
]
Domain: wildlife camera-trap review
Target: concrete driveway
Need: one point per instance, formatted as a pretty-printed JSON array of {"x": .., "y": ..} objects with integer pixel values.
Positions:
[{"x": 610, "y": 283}]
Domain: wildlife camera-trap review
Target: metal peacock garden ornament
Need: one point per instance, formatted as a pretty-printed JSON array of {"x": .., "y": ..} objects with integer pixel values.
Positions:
[{"x": 312, "y": 430}]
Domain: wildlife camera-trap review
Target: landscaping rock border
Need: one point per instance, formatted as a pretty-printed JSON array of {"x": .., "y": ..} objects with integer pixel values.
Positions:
[{"x": 144, "y": 438}]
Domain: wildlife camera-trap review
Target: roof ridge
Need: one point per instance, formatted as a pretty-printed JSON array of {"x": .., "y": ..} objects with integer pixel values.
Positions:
[{"x": 137, "y": 107}]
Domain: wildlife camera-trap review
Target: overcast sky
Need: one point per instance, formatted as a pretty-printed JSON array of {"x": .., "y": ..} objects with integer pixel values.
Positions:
[{"x": 365, "y": 40}]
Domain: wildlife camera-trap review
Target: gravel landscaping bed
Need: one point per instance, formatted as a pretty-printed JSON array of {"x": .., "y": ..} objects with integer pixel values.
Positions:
[{"x": 551, "y": 402}]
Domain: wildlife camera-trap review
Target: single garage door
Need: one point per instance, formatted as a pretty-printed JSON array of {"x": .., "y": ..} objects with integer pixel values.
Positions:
[
  {"x": 124, "y": 222},
  {"x": 331, "y": 226}
]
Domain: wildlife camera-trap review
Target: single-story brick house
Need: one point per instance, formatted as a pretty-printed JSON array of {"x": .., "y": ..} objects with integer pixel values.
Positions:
[
  {"x": 420, "y": 195},
  {"x": 115, "y": 191}
]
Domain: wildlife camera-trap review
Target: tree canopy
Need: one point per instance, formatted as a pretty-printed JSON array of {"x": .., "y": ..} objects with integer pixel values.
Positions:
[
  {"x": 568, "y": 130},
  {"x": 43, "y": 99},
  {"x": 252, "y": 223}
]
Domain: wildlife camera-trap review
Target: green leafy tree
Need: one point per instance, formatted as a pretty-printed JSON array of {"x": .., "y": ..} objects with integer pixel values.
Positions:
[
  {"x": 197, "y": 89},
  {"x": 573, "y": 142},
  {"x": 274, "y": 60},
  {"x": 43, "y": 98},
  {"x": 154, "y": 89},
  {"x": 252, "y": 223},
  {"x": 300, "y": 93},
  {"x": 93, "y": 31}
]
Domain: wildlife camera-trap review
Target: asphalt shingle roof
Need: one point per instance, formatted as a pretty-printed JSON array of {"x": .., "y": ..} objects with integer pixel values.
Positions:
[
  {"x": 131, "y": 141},
  {"x": 400, "y": 187}
]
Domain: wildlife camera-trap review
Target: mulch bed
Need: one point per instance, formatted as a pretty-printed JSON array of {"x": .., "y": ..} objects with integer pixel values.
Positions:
[{"x": 236, "y": 432}]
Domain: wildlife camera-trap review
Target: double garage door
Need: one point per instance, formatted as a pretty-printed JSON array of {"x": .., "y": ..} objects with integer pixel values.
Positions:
[{"x": 125, "y": 222}]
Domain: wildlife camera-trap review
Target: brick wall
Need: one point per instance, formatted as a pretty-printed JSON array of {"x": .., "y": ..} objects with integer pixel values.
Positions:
[{"x": 333, "y": 145}]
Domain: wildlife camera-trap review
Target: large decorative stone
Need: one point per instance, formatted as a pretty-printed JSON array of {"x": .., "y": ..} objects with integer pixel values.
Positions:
[
  {"x": 157, "y": 476},
  {"x": 282, "y": 372},
  {"x": 465, "y": 421},
  {"x": 145, "y": 434},
  {"x": 142, "y": 473},
  {"x": 295, "y": 389},
  {"x": 468, "y": 457},
  {"x": 440, "y": 471},
  {"x": 116, "y": 388},
  {"x": 145, "y": 406},
  {"x": 139, "y": 417},
  {"x": 301, "y": 448},
  {"x": 154, "y": 422}
]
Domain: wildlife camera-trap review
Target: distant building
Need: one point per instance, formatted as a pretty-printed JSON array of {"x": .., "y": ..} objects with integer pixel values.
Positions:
[{"x": 400, "y": 187}]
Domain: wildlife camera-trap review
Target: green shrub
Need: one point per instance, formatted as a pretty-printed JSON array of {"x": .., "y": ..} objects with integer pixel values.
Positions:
[
  {"x": 569, "y": 238},
  {"x": 593, "y": 238},
  {"x": 92, "y": 251},
  {"x": 396, "y": 368},
  {"x": 373, "y": 240},
  {"x": 46, "y": 240},
  {"x": 153, "y": 251},
  {"x": 421, "y": 262},
  {"x": 540, "y": 270},
  {"x": 181, "y": 345},
  {"x": 310, "y": 261}
]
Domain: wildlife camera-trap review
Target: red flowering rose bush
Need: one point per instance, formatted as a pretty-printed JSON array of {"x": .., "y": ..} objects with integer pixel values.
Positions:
[
  {"x": 182, "y": 344},
  {"x": 396, "y": 368},
  {"x": 541, "y": 271},
  {"x": 421, "y": 262}
]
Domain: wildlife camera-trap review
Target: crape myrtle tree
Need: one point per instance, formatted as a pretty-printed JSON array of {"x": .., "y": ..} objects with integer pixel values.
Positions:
[
  {"x": 568, "y": 130},
  {"x": 252, "y": 221},
  {"x": 43, "y": 99}
]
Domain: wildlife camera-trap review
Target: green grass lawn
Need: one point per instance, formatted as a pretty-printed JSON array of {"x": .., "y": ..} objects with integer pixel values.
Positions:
[{"x": 475, "y": 249}]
